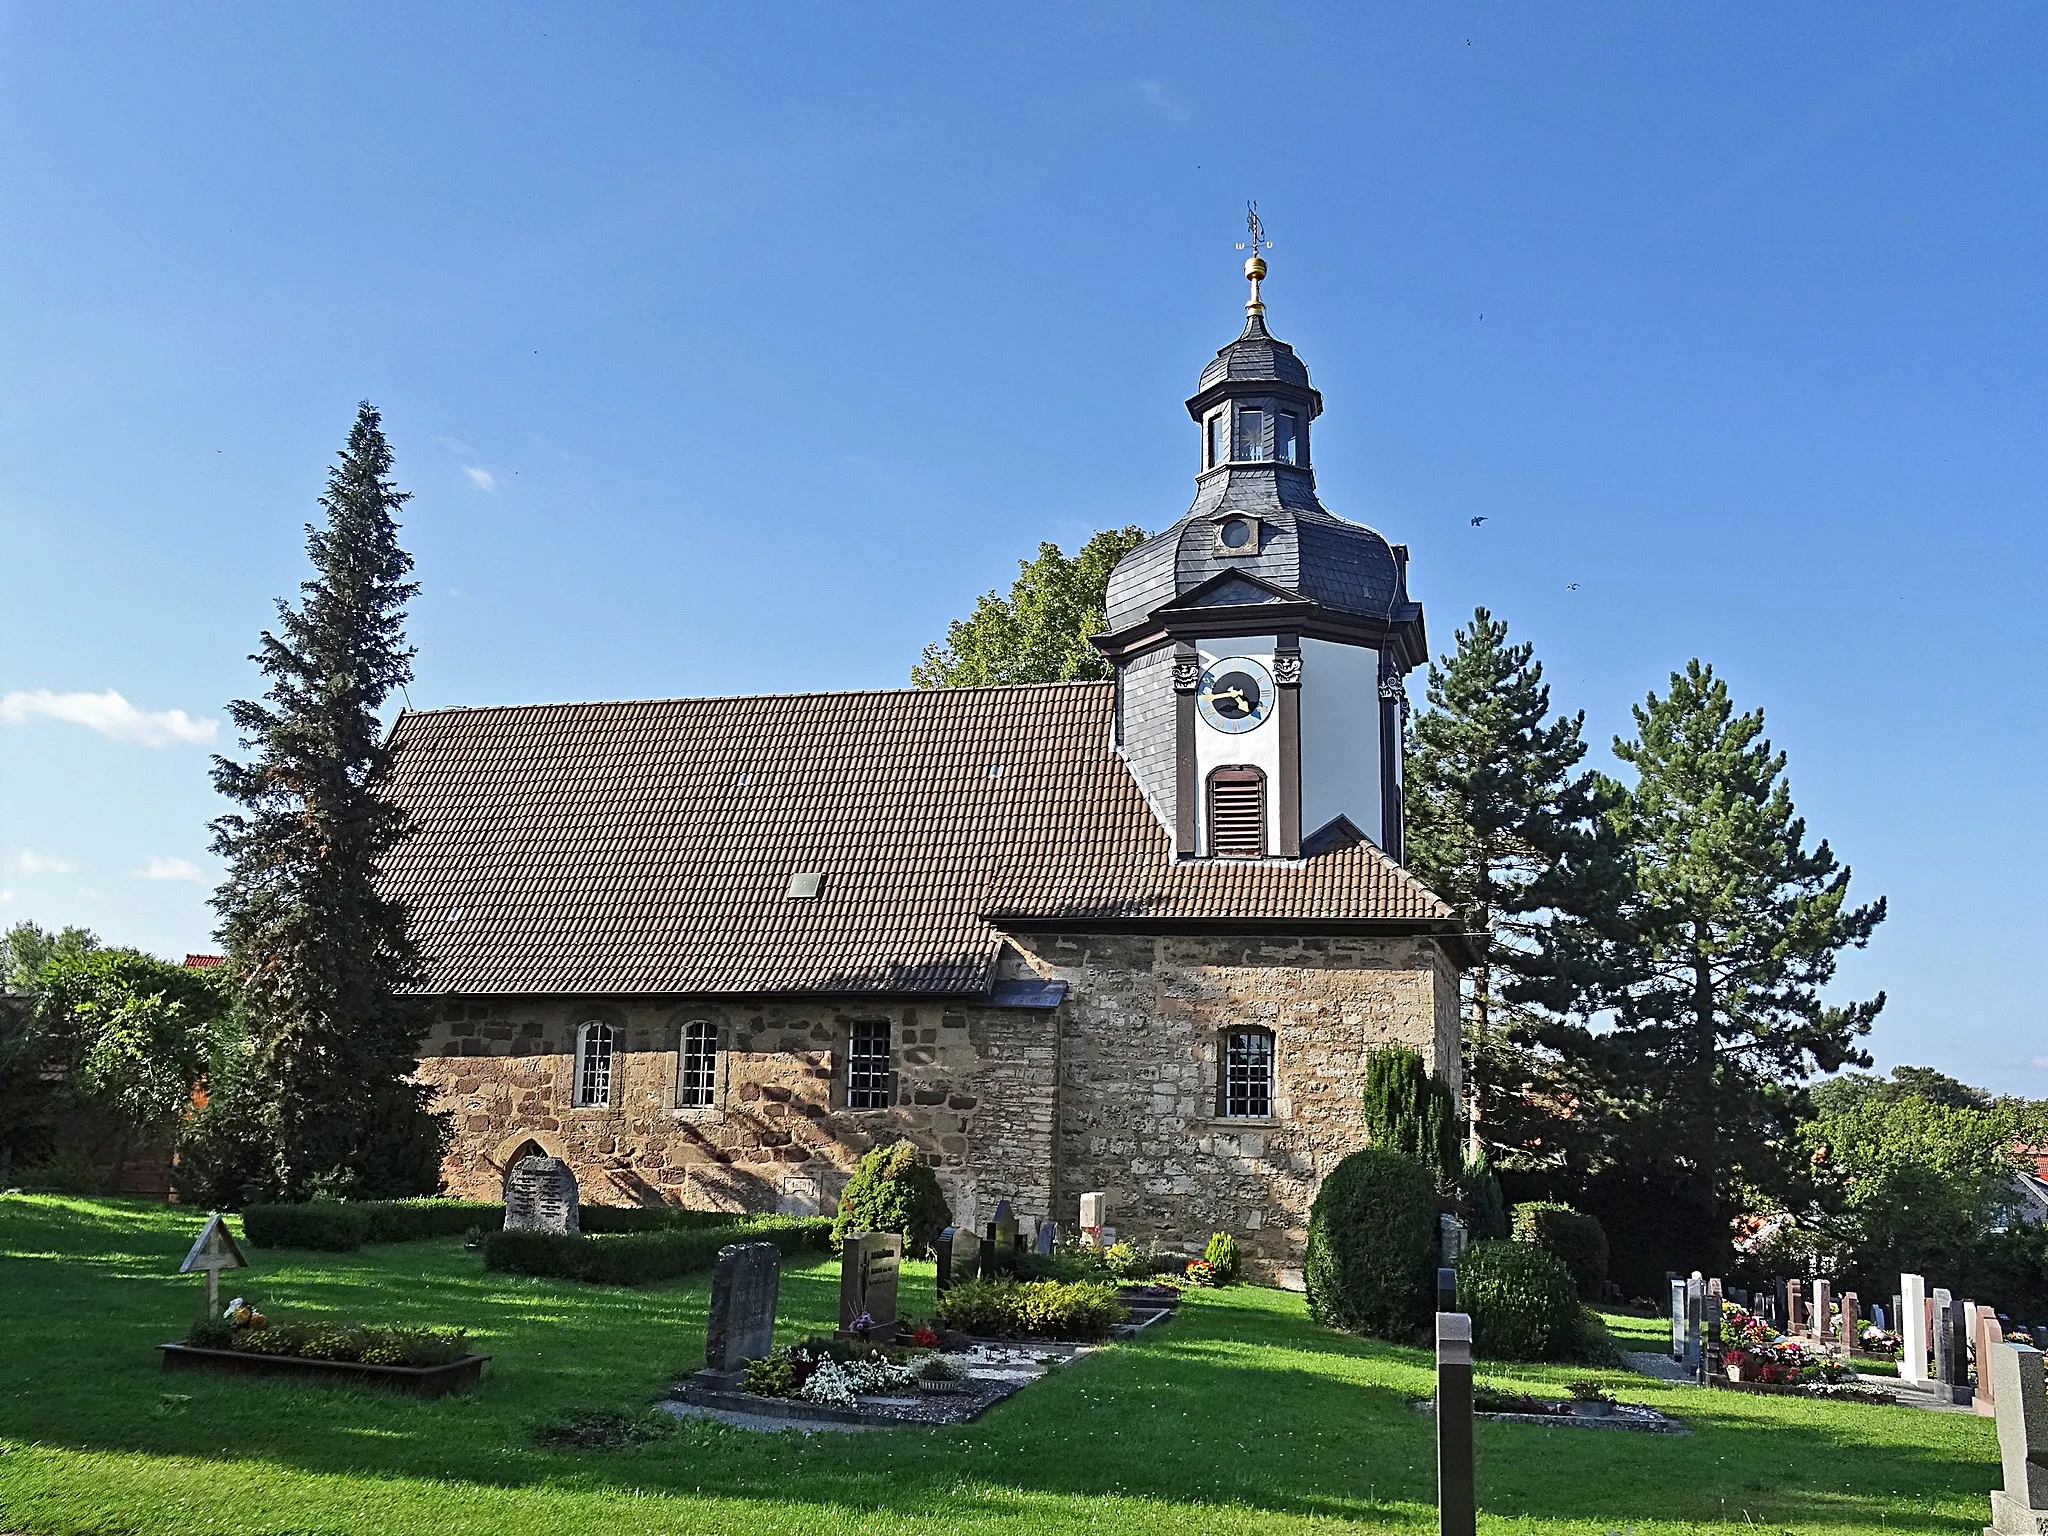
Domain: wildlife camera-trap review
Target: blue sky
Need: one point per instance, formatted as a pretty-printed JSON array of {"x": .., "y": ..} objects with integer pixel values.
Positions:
[{"x": 737, "y": 348}]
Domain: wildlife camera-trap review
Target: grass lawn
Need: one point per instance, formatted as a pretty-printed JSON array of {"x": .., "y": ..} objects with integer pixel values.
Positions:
[{"x": 1238, "y": 1416}]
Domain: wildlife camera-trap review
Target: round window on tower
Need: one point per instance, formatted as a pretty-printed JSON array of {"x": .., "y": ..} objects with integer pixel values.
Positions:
[{"x": 1237, "y": 534}]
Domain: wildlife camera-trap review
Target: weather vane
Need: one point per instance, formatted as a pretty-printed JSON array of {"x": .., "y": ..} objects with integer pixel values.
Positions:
[{"x": 1254, "y": 264}]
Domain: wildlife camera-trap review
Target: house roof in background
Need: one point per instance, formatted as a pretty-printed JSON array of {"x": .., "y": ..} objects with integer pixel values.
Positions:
[{"x": 647, "y": 848}]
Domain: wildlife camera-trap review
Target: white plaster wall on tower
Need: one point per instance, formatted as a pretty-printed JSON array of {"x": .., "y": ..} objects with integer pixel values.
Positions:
[
  {"x": 1258, "y": 747},
  {"x": 1340, "y": 736}
]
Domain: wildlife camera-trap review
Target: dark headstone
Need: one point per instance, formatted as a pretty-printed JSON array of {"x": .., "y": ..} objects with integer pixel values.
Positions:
[
  {"x": 1048, "y": 1236},
  {"x": 868, "y": 1264},
  {"x": 945, "y": 1259},
  {"x": 744, "y": 1290},
  {"x": 1446, "y": 1290},
  {"x": 540, "y": 1196},
  {"x": 1711, "y": 1370},
  {"x": 1457, "y": 1493}
]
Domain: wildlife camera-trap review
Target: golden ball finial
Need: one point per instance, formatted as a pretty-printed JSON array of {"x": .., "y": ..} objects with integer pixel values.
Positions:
[{"x": 1255, "y": 267}]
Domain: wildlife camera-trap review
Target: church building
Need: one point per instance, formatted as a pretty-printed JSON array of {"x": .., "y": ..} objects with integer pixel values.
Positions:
[{"x": 1133, "y": 936}]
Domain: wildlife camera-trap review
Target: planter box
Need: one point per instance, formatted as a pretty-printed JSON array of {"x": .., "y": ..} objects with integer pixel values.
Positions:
[{"x": 417, "y": 1380}]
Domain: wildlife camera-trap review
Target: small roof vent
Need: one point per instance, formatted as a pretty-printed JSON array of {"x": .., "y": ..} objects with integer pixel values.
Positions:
[{"x": 806, "y": 886}]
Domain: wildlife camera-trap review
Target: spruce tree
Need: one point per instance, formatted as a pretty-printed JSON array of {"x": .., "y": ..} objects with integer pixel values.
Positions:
[
  {"x": 321, "y": 956},
  {"x": 1503, "y": 826},
  {"x": 1735, "y": 931}
]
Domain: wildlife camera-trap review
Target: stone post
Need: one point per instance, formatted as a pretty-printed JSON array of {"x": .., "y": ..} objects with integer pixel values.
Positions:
[
  {"x": 1913, "y": 1330},
  {"x": 1989, "y": 1337},
  {"x": 1852, "y": 1330},
  {"x": 1457, "y": 1494},
  {"x": 1823, "y": 1310},
  {"x": 2022, "y": 1505}
]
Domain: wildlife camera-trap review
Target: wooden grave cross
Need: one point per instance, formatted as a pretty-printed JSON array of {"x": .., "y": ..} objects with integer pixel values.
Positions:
[{"x": 214, "y": 1252}]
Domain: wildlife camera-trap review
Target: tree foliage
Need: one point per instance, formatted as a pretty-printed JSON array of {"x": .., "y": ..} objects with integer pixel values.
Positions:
[
  {"x": 893, "y": 1191},
  {"x": 1040, "y": 632},
  {"x": 1410, "y": 1110},
  {"x": 1505, "y": 827},
  {"x": 320, "y": 955}
]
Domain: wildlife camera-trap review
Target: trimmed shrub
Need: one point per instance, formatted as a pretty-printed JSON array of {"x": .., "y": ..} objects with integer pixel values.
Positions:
[
  {"x": 408, "y": 1221},
  {"x": 1522, "y": 1302},
  {"x": 633, "y": 1258},
  {"x": 357, "y": 1342},
  {"x": 1222, "y": 1256},
  {"x": 893, "y": 1191},
  {"x": 330, "y": 1226},
  {"x": 654, "y": 1218},
  {"x": 1411, "y": 1110},
  {"x": 1574, "y": 1237},
  {"x": 1047, "y": 1309},
  {"x": 1372, "y": 1246}
]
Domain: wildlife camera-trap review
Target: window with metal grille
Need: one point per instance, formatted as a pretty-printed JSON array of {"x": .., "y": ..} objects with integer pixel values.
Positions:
[
  {"x": 867, "y": 1065},
  {"x": 594, "y": 1045},
  {"x": 1237, "y": 813},
  {"x": 1247, "y": 1075},
  {"x": 697, "y": 1078}
]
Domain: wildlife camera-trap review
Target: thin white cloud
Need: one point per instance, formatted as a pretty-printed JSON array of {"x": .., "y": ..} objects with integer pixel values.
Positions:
[
  {"x": 30, "y": 862},
  {"x": 172, "y": 869},
  {"x": 109, "y": 714},
  {"x": 480, "y": 477}
]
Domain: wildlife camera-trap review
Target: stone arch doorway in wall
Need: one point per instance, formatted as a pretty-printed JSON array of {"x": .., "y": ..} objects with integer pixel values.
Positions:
[{"x": 525, "y": 1144}]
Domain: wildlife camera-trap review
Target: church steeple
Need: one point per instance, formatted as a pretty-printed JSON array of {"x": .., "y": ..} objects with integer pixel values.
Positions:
[{"x": 1260, "y": 642}]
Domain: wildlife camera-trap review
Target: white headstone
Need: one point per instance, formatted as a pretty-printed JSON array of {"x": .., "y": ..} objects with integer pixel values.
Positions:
[{"x": 1913, "y": 1329}]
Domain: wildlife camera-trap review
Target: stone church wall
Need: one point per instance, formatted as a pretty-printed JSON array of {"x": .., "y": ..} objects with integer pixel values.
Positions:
[
  {"x": 975, "y": 1091},
  {"x": 1141, "y": 1033}
]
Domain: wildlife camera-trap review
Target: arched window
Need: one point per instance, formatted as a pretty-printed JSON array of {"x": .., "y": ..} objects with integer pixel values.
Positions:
[
  {"x": 697, "y": 1075},
  {"x": 1247, "y": 1085},
  {"x": 595, "y": 1043},
  {"x": 1237, "y": 813}
]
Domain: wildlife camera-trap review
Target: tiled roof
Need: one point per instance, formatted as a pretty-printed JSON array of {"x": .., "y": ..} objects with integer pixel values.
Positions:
[{"x": 647, "y": 847}]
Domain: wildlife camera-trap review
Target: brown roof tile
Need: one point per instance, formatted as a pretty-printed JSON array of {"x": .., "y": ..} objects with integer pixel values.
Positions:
[{"x": 647, "y": 847}]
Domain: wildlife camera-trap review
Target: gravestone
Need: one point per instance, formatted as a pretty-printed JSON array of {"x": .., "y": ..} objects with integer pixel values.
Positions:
[
  {"x": 1450, "y": 1239},
  {"x": 1795, "y": 1309},
  {"x": 1959, "y": 1329},
  {"x": 213, "y": 1252},
  {"x": 2022, "y": 1505},
  {"x": 868, "y": 1264},
  {"x": 1457, "y": 1493},
  {"x": 1093, "y": 1211},
  {"x": 1989, "y": 1337},
  {"x": 1852, "y": 1329},
  {"x": 540, "y": 1196},
  {"x": 1677, "y": 1319},
  {"x": 1913, "y": 1330},
  {"x": 1002, "y": 1232},
  {"x": 1711, "y": 1371},
  {"x": 1823, "y": 1310},
  {"x": 1447, "y": 1290},
  {"x": 1946, "y": 1365},
  {"x": 1695, "y": 1305},
  {"x": 744, "y": 1288},
  {"x": 944, "y": 1251},
  {"x": 1048, "y": 1237}
]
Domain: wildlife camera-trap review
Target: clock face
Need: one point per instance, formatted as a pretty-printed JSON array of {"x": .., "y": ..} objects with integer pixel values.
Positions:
[{"x": 1237, "y": 694}]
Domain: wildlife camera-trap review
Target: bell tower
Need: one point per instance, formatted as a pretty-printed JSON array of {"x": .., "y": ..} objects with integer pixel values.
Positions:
[{"x": 1261, "y": 643}]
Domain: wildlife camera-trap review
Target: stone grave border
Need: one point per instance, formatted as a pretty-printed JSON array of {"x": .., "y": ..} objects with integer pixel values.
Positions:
[{"x": 458, "y": 1375}]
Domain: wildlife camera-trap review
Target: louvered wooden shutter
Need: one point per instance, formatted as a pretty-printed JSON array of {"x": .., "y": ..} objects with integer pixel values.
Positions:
[{"x": 1237, "y": 813}]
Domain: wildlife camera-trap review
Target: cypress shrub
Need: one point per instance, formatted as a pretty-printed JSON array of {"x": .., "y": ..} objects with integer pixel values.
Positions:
[
  {"x": 632, "y": 1258},
  {"x": 1410, "y": 1110},
  {"x": 1522, "y": 1302},
  {"x": 892, "y": 1190},
  {"x": 1223, "y": 1256},
  {"x": 330, "y": 1226},
  {"x": 1574, "y": 1237},
  {"x": 1372, "y": 1246},
  {"x": 1483, "y": 1199}
]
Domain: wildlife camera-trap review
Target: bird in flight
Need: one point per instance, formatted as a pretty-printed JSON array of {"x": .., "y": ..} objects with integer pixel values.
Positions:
[
  {"x": 1571, "y": 586},
  {"x": 1477, "y": 521}
]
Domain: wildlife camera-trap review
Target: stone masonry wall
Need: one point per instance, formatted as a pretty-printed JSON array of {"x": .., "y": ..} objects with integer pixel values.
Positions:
[
  {"x": 1140, "y": 1035},
  {"x": 975, "y": 1091}
]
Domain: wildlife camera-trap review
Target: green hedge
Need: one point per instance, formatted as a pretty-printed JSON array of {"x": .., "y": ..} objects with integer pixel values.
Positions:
[
  {"x": 631, "y": 1258},
  {"x": 1372, "y": 1246},
  {"x": 1046, "y": 1309},
  {"x": 1574, "y": 1237},
  {"x": 1522, "y": 1301},
  {"x": 338, "y": 1226}
]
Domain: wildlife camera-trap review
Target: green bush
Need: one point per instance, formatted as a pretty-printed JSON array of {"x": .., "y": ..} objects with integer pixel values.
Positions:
[
  {"x": 654, "y": 1218},
  {"x": 1372, "y": 1246},
  {"x": 355, "y": 1342},
  {"x": 331, "y": 1226},
  {"x": 1411, "y": 1110},
  {"x": 893, "y": 1191},
  {"x": 1070, "y": 1266},
  {"x": 1574, "y": 1237},
  {"x": 408, "y": 1221},
  {"x": 632, "y": 1258},
  {"x": 1222, "y": 1256},
  {"x": 1047, "y": 1309},
  {"x": 1483, "y": 1199},
  {"x": 1522, "y": 1302}
]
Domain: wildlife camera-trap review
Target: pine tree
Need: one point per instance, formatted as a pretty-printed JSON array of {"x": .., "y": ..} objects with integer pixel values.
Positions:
[
  {"x": 1040, "y": 632},
  {"x": 1736, "y": 930},
  {"x": 1504, "y": 829},
  {"x": 321, "y": 956}
]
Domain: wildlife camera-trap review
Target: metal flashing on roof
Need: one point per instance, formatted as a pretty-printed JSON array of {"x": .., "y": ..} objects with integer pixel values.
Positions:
[{"x": 1028, "y": 994}]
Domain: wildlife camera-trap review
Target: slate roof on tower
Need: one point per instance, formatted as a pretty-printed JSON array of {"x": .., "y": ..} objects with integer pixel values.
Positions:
[{"x": 647, "y": 848}]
